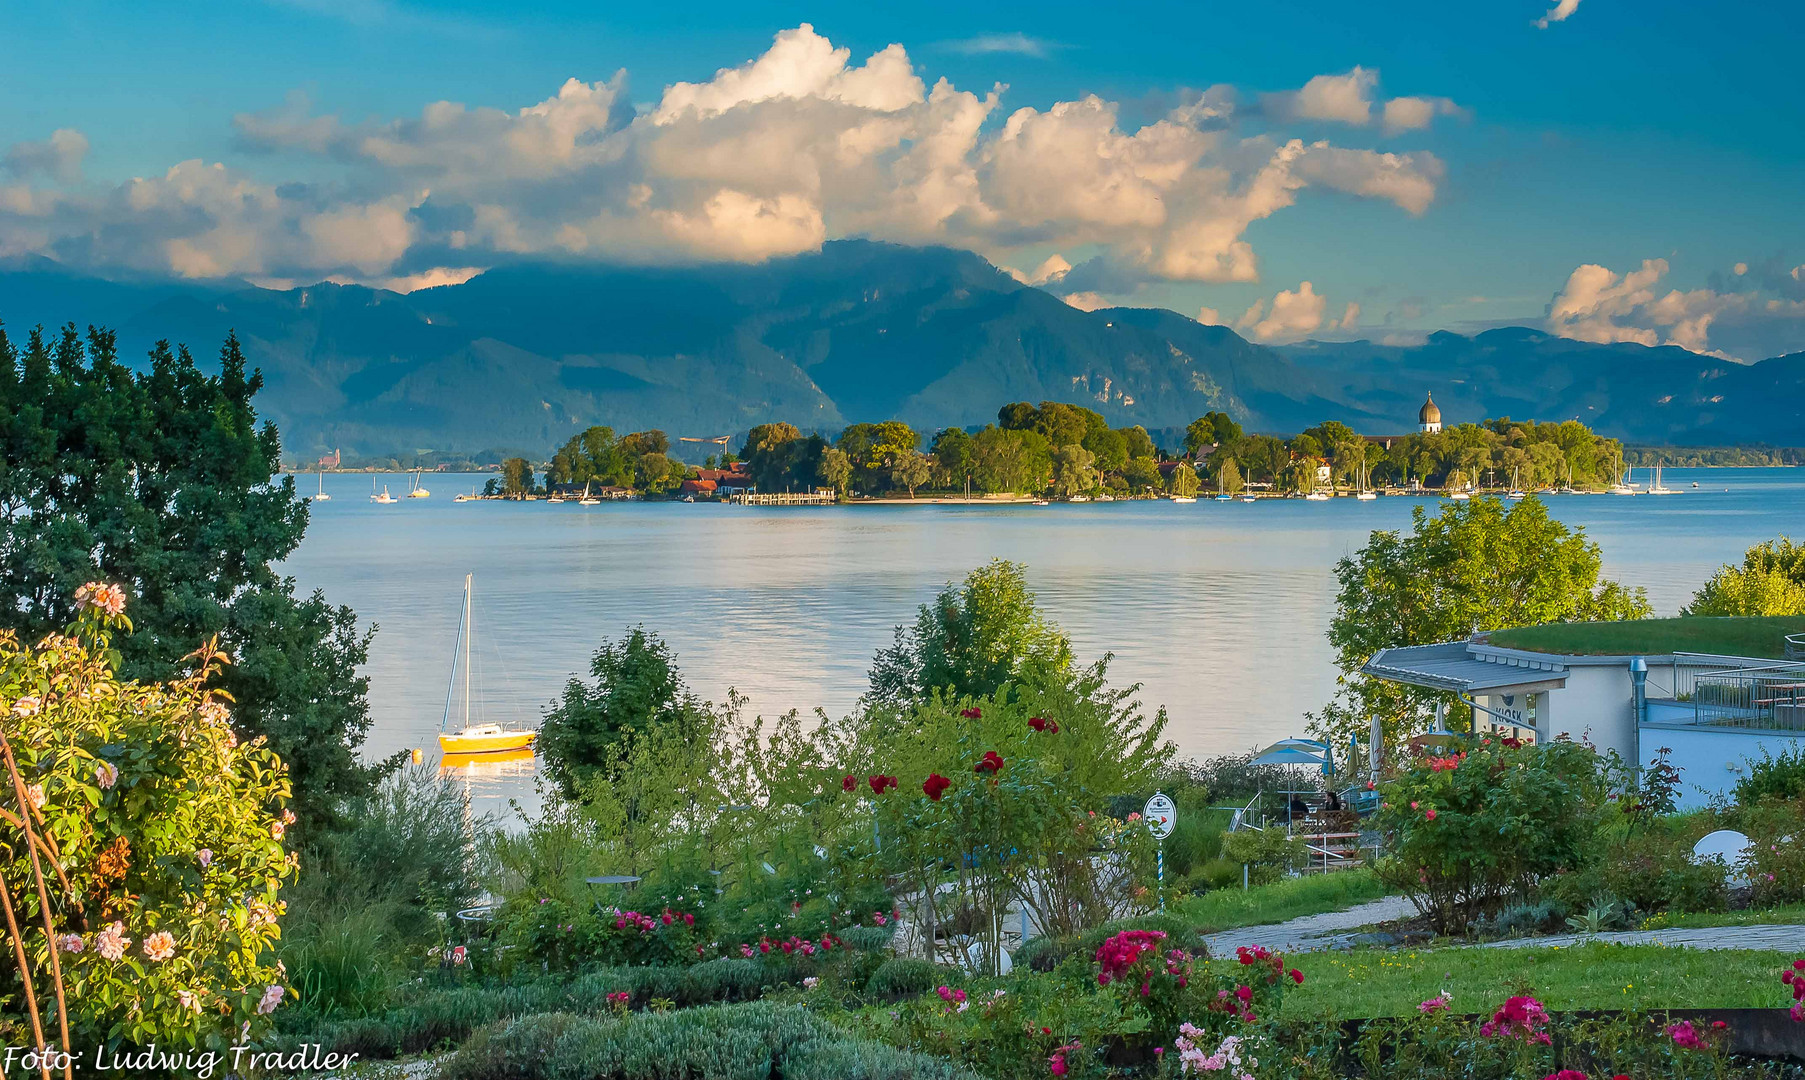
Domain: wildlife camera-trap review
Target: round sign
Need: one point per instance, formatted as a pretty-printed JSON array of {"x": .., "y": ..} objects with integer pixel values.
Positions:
[{"x": 1161, "y": 815}]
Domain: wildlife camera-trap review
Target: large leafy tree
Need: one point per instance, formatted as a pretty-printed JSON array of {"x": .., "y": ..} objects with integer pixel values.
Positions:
[
  {"x": 163, "y": 481},
  {"x": 1476, "y": 566},
  {"x": 636, "y": 687},
  {"x": 971, "y": 641},
  {"x": 1770, "y": 581}
]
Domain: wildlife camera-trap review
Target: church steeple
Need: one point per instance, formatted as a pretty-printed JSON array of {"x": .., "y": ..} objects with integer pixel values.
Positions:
[{"x": 1428, "y": 418}]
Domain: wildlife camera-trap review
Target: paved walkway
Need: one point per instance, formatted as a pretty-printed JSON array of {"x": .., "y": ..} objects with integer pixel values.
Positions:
[
  {"x": 1777, "y": 938},
  {"x": 1311, "y": 933}
]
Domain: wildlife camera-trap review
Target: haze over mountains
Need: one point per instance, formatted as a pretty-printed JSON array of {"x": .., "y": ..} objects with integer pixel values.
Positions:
[{"x": 525, "y": 356}]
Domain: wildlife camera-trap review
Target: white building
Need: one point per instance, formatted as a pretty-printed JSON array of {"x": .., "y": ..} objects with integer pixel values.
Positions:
[{"x": 1715, "y": 713}]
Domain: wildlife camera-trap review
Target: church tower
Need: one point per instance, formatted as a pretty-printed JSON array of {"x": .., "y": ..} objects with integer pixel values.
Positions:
[{"x": 1428, "y": 418}]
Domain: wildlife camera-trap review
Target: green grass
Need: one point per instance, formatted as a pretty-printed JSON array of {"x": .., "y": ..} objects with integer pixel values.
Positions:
[
  {"x": 1784, "y": 915},
  {"x": 1225, "y": 909},
  {"x": 1751, "y": 636},
  {"x": 1366, "y": 983}
]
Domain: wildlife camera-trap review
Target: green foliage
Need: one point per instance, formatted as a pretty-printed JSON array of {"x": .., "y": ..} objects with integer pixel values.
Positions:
[
  {"x": 1775, "y": 776},
  {"x": 745, "y": 1042},
  {"x": 164, "y": 838},
  {"x": 1478, "y": 565},
  {"x": 971, "y": 641},
  {"x": 1210, "y": 429},
  {"x": 1466, "y": 838},
  {"x": 640, "y": 460},
  {"x": 1183, "y": 482},
  {"x": 1268, "y": 853},
  {"x": 516, "y": 477},
  {"x": 636, "y": 688},
  {"x": 1770, "y": 581},
  {"x": 904, "y": 977},
  {"x": 1775, "y": 865},
  {"x": 163, "y": 480},
  {"x": 882, "y": 456},
  {"x": 1231, "y": 906}
]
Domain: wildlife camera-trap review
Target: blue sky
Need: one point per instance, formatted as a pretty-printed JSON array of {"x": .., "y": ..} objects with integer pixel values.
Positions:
[{"x": 1656, "y": 146}]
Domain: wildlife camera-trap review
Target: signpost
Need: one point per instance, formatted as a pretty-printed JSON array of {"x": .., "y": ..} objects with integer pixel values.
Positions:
[{"x": 1161, "y": 815}]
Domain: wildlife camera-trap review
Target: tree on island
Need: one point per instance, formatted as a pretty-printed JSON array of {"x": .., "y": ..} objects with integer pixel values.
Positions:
[
  {"x": 1479, "y": 565},
  {"x": 1183, "y": 483},
  {"x": 516, "y": 477},
  {"x": 1072, "y": 470},
  {"x": 834, "y": 471},
  {"x": 164, "y": 482},
  {"x": 1228, "y": 477},
  {"x": 911, "y": 471},
  {"x": 1770, "y": 581}
]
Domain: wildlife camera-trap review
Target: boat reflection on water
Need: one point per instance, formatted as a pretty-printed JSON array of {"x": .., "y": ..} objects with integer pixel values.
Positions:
[{"x": 499, "y": 763}]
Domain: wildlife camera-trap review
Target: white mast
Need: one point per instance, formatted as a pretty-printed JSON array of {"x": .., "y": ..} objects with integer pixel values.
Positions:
[{"x": 469, "y": 629}]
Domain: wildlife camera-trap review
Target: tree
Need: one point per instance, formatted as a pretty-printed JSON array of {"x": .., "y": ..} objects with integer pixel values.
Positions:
[
  {"x": 1109, "y": 447},
  {"x": 1199, "y": 434},
  {"x": 1475, "y": 566},
  {"x": 1770, "y": 581},
  {"x": 1072, "y": 469},
  {"x": 835, "y": 469},
  {"x": 165, "y": 483},
  {"x": 516, "y": 477},
  {"x": 770, "y": 451},
  {"x": 953, "y": 457},
  {"x": 636, "y": 687},
  {"x": 910, "y": 471},
  {"x": 1184, "y": 481},
  {"x": 1137, "y": 443},
  {"x": 1228, "y": 477},
  {"x": 971, "y": 641},
  {"x": 1141, "y": 473}
]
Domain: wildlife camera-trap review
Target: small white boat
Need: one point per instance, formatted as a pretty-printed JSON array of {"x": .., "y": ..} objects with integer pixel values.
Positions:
[
  {"x": 588, "y": 499},
  {"x": 1316, "y": 496},
  {"x": 1223, "y": 498},
  {"x": 1106, "y": 498},
  {"x": 385, "y": 497},
  {"x": 1658, "y": 488},
  {"x": 1460, "y": 496},
  {"x": 465, "y": 498},
  {"x": 1515, "y": 494},
  {"x": 1367, "y": 496},
  {"x": 1250, "y": 498},
  {"x": 1042, "y": 502},
  {"x": 418, "y": 492},
  {"x": 1079, "y": 498},
  {"x": 1183, "y": 499},
  {"x": 321, "y": 496}
]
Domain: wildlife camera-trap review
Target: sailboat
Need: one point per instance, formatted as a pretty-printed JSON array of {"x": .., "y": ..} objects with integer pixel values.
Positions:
[
  {"x": 1657, "y": 488},
  {"x": 417, "y": 491},
  {"x": 1515, "y": 494},
  {"x": 1621, "y": 487},
  {"x": 478, "y": 738},
  {"x": 460, "y": 497},
  {"x": 1222, "y": 494},
  {"x": 1365, "y": 495},
  {"x": 385, "y": 497},
  {"x": 587, "y": 499},
  {"x": 321, "y": 495}
]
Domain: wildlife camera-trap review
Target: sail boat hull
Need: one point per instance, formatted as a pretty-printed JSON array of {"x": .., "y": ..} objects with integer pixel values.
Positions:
[{"x": 487, "y": 739}]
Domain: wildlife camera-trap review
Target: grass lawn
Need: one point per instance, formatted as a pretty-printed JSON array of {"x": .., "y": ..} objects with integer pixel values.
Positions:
[
  {"x": 1225, "y": 909},
  {"x": 1752, "y": 636},
  {"x": 1366, "y": 983},
  {"x": 1784, "y": 915}
]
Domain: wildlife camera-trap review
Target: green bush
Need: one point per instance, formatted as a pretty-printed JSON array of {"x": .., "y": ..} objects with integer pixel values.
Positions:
[
  {"x": 739, "y": 1042},
  {"x": 1267, "y": 853},
  {"x": 905, "y": 976},
  {"x": 1775, "y": 776},
  {"x": 1046, "y": 953},
  {"x": 1651, "y": 871}
]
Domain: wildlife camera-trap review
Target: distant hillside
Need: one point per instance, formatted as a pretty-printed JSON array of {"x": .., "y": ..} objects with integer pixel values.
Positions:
[{"x": 526, "y": 356}]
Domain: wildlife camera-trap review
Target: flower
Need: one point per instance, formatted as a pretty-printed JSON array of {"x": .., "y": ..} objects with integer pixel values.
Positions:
[
  {"x": 106, "y": 774},
  {"x": 1134, "y": 816},
  {"x": 849, "y": 783},
  {"x": 880, "y": 782},
  {"x": 1520, "y": 1017},
  {"x": 288, "y": 817},
  {"x": 810, "y": 983},
  {"x": 213, "y": 712},
  {"x": 188, "y": 999},
  {"x": 973, "y": 713},
  {"x": 990, "y": 763},
  {"x": 27, "y": 706},
  {"x": 35, "y": 793},
  {"x": 935, "y": 786},
  {"x": 1683, "y": 1034},
  {"x": 272, "y": 997},
  {"x": 1438, "y": 1003},
  {"x": 1429, "y": 814},
  {"x": 205, "y": 857},
  {"x": 112, "y": 941},
  {"x": 99, "y": 595},
  {"x": 71, "y": 943},
  {"x": 276, "y": 829},
  {"x": 1116, "y": 955},
  {"x": 1566, "y": 1074},
  {"x": 160, "y": 945},
  {"x": 1297, "y": 976}
]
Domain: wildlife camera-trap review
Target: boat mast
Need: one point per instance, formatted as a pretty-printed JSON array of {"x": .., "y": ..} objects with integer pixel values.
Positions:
[{"x": 469, "y": 630}]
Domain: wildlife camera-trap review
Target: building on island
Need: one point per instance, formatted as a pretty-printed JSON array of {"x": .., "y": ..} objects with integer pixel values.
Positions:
[
  {"x": 1428, "y": 418},
  {"x": 1715, "y": 712}
]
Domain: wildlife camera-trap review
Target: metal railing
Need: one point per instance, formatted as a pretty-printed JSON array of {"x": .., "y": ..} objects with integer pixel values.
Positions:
[
  {"x": 1795, "y": 646},
  {"x": 1769, "y": 699}
]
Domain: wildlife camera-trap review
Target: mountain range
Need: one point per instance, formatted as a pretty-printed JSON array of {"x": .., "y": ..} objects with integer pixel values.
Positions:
[{"x": 525, "y": 356}]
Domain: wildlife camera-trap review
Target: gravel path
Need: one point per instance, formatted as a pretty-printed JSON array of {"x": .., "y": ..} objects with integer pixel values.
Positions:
[
  {"x": 1310, "y": 933},
  {"x": 1775, "y": 937}
]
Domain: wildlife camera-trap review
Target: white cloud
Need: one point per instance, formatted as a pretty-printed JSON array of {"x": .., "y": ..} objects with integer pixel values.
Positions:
[
  {"x": 1349, "y": 99},
  {"x": 58, "y": 157},
  {"x": 1350, "y": 317},
  {"x": 1558, "y": 13},
  {"x": 1600, "y": 305},
  {"x": 1293, "y": 315},
  {"x": 1209, "y": 316},
  {"x": 1740, "y": 269},
  {"x": 771, "y": 157},
  {"x": 1017, "y": 42},
  {"x": 1417, "y": 113}
]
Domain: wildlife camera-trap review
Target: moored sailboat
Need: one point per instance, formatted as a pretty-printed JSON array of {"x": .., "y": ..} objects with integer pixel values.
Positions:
[{"x": 475, "y": 738}]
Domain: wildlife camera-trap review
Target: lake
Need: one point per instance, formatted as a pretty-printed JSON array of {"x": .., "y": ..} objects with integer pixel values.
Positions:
[{"x": 1218, "y": 610}]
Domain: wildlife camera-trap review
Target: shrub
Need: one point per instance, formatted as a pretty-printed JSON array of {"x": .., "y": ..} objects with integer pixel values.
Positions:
[
  {"x": 1267, "y": 853},
  {"x": 1775, "y": 864},
  {"x": 1650, "y": 871},
  {"x": 166, "y": 834},
  {"x": 1470, "y": 831},
  {"x": 904, "y": 976},
  {"x": 1047, "y": 953},
  {"x": 1775, "y": 776},
  {"x": 740, "y": 1042},
  {"x": 1547, "y": 916}
]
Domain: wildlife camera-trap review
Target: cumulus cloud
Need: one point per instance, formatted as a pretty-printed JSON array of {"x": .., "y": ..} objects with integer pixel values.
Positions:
[
  {"x": 1557, "y": 13},
  {"x": 1601, "y": 305},
  {"x": 1293, "y": 315},
  {"x": 801, "y": 144},
  {"x": 1349, "y": 99}
]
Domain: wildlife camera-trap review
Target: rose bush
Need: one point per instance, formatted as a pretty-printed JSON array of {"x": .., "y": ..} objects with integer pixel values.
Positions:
[{"x": 167, "y": 834}]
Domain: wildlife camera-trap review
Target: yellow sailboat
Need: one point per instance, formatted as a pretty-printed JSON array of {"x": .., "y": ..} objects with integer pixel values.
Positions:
[{"x": 476, "y": 738}]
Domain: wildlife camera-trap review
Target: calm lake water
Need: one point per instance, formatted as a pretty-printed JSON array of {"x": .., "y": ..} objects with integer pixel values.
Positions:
[{"x": 1218, "y": 609}]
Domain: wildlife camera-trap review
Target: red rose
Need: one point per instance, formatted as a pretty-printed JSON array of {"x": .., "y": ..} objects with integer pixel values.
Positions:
[
  {"x": 1297, "y": 976},
  {"x": 1037, "y": 723},
  {"x": 990, "y": 764},
  {"x": 849, "y": 783},
  {"x": 973, "y": 713},
  {"x": 935, "y": 786}
]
